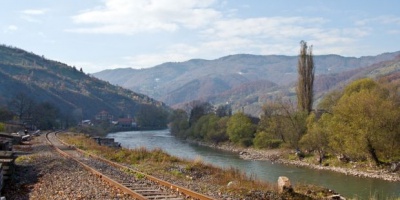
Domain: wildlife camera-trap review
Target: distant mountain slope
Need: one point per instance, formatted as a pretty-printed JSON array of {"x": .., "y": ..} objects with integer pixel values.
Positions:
[
  {"x": 64, "y": 86},
  {"x": 326, "y": 82},
  {"x": 176, "y": 83}
]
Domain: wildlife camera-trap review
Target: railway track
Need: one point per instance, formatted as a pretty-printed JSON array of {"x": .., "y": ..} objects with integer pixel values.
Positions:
[{"x": 130, "y": 181}]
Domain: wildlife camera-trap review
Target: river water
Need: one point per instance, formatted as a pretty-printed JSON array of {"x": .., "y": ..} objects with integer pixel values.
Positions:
[{"x": 348, "y": 186}]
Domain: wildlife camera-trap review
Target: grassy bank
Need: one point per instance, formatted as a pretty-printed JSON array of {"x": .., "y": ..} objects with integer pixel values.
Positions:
[{"x": 194, "y": 174}]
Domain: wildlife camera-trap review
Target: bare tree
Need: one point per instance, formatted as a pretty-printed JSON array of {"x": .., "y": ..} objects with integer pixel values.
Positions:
[
  {"x": 199, "y": 109},
  {"x": 22, "y": 106},
  {"x": 305, "y": 85}
]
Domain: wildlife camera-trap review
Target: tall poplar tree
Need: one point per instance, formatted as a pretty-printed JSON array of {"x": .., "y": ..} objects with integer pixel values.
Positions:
[{"x": 305, "y": 85}]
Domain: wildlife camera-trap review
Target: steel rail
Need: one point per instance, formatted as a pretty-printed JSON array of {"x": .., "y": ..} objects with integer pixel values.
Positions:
[
  {"x": 183, "y": 190},
  {"x": 177, "y": 188},
  {"x": 97, "y": 173}
]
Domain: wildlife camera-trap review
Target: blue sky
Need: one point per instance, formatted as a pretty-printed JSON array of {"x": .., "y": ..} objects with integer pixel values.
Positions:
[{"x": 107, "y": 34}]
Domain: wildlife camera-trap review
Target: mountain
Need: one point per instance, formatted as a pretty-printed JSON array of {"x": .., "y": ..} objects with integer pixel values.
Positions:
[
  {"x": 69, "y": 89},
  {"x": 241, "y": 79},
  {"x": 326, "y": 82}
]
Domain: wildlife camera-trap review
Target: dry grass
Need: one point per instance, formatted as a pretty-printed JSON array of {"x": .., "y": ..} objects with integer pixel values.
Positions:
[
  {"x": 210, "y": 178},
  {"x": 156, "y": 161}
]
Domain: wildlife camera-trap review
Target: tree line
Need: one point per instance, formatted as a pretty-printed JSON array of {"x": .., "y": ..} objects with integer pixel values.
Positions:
[
  {"x": 35, "y": 115},
  {"x": 46, "y": 116},
  {"x": 357, "y": 123}
]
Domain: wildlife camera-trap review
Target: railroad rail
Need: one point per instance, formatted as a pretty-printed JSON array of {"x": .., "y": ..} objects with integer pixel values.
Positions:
[{"x": 135, "y": 183}]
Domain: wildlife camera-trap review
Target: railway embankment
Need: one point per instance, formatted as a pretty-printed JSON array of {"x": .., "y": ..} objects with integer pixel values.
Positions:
[{"x": 44, "y": 174}]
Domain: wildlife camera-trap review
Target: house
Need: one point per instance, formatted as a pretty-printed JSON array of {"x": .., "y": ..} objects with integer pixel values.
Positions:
[
  {"x": 103, "y": 116},
  {"x": 126, "y": 123},
  {"x": 86, "y": 122}
]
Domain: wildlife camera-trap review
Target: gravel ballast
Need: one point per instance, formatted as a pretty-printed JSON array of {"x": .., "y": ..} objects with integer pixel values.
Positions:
[{"x": 44, "y": 174}]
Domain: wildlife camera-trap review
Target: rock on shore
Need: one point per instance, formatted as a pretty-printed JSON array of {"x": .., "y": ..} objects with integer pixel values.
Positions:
[{"x": 276, "y": 155}]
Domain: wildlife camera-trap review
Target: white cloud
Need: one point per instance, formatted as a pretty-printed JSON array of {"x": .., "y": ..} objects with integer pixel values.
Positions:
[
  {"x": 151, "y": 60},
  {"x": 32, "y": 15},
  {"x": 10, "y": 28},
  {"x": 274, "y": 27},
  {"x": 34, "y": 12},
  {"x": 175, "y": 53},
  {"x": 276, "y": 35},
  {"x": 388, "y": 20},
  {"x": 128, "y": 17},
  {"x": 91, "y": 67},
  {"x": 216, "y": 33},
  {"x": 393, "y": 32}
]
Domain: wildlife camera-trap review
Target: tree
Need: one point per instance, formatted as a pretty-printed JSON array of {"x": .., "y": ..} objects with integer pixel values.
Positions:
[
  {"x": 5, "y": 114},
  {"x": 150, "y": 116},
  {"x": 179, "y": 123},
  {"x": 365, "y": 123},
  {"x": 364, "y": 84},
  {"x": 281, "y": 121},
  {"x": 272, "y": 120},
  {"x": 198, "y": 110},
  {"x": 329, "y": 101},
  {"x": 219, "y": 134},
  {"x": 202, "y": 126},
  {"x": 265, "y": 140},
  {"x": 46, "y": 116},
  {"x": 240, "y": 129},
  {"x": 317, "y": 137},
  {"x": 224, "y": 110},
  {"x": 211, "y": 128},
  {"x": 305, "y": 84},
  {"x": 22, "y": 106},
  {"x": 206, "y": 125}
]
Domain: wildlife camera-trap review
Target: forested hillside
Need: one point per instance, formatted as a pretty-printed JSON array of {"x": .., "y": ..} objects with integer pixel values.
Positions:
[
  {"x": 75, "y": 94},
  {"x": 242, "y": 80}
]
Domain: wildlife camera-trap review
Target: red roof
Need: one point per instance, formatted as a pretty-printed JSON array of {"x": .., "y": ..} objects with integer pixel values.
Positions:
[{"x": 125, "y": 120}]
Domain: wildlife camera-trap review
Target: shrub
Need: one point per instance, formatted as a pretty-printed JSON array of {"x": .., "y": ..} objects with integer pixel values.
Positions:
[
  {"x": 246, "y": 142},
  {"x": 2, "y": 127},
  {"x": 264, "y": 140}
]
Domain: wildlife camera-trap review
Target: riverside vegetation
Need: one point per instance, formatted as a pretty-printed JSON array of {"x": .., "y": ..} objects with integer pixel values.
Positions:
[
  {"x": 194, "y": 174},
  {"x": 357, "y": 124},
  {"x": 353, "y": 128}
]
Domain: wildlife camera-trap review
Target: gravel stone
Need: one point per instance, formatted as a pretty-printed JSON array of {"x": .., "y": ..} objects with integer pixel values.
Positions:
[{"x": 44, "y": 174}]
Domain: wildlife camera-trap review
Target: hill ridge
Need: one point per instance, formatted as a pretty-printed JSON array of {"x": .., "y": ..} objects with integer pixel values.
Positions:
[
  {"x": 64, "y": 86},
  {"x": 173, "y": 82}
]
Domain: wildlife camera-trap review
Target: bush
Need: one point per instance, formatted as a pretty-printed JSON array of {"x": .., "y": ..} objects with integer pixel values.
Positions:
[
  {"x": 240, "y": 129},
  {"x": 246, "y": 142},
  {"x": 2, "y": 127},
  {"x": 264, "y": 140},
  {"x": 270, "y": 144},
  {"x": 273, "y": 143}
]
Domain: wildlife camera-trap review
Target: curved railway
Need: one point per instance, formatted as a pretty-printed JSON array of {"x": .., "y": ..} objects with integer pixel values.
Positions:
[{"x": 130, "y": 181}]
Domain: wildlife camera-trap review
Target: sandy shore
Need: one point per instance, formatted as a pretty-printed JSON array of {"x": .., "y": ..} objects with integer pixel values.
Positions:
[{"x": 276, "y": 155}]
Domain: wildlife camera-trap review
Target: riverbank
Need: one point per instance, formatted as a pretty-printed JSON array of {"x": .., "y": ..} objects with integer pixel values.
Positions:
[{"x": 281, "y": 155}]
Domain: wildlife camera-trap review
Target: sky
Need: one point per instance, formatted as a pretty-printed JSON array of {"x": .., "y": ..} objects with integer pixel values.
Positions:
[{"x": 106, "y": 34}]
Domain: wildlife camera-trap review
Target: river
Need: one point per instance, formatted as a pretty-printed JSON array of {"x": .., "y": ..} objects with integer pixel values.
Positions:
[{"x": 348, "y": 186}]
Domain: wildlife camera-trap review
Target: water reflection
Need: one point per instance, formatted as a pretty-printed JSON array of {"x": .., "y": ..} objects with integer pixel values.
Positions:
[{"x": 349, "y": 186}]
